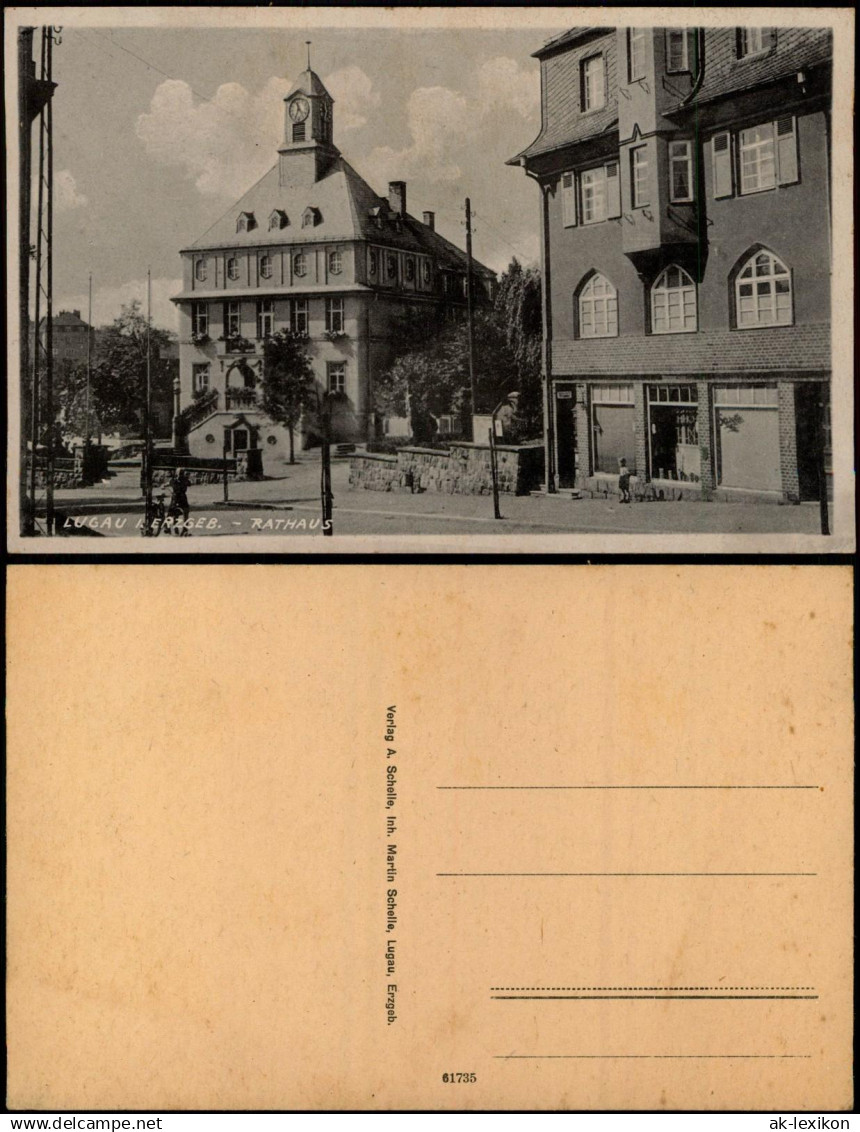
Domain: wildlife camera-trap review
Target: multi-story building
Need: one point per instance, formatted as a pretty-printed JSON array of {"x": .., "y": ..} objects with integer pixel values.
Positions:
[
  {"x": 69, "y": 338},
  {"x": 686, "y": 254},
  {"x": 311, "y": 247}
]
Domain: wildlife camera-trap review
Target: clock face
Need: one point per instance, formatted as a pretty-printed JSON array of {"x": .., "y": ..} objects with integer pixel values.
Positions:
[{"x": 299, "y": 110}]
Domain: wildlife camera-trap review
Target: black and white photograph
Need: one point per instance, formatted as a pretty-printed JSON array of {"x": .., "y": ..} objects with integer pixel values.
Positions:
[{"x": 309, "y": 279}]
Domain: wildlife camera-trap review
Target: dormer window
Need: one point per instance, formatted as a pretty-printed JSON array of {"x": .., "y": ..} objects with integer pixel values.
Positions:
[
  {"x": 245, "y": 222},
  {"x": 592, "y": 83},
  {"x": 311, "y": 217},
  {"x": 753, "y": 41},
  {"x": 278, "y": 219}
]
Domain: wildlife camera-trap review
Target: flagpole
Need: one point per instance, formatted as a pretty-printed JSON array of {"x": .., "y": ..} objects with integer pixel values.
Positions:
[{"x": 89, "y": 363}]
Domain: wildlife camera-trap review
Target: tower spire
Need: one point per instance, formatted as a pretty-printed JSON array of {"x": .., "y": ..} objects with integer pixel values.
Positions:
[{"x": 308, "y": 43}]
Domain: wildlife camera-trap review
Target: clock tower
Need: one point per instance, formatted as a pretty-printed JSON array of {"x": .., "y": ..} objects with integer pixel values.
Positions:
[{"x": 307, "y": 151}]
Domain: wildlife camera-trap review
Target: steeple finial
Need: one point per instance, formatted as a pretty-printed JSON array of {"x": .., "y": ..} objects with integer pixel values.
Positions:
[{"x": 308, "y": 45}]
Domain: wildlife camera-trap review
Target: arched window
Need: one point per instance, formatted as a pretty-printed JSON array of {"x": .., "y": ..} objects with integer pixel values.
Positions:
[
  {"x": 232, "y": 268},
  {"x": 673, "y": 302},
  {"x": 763, "y": 292},
  {"x": 300, "y": 265},
  {"x": 335, "y": 263},
  {"x": 266, "y": 266},
  {"x": 200, "y": 270},
  {"x": 598, "y": 309}
]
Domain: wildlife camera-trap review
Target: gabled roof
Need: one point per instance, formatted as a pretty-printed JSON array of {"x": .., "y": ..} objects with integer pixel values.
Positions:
[
  {"x": 348, "y": 208},
  {"x": 308, "y": 82}
]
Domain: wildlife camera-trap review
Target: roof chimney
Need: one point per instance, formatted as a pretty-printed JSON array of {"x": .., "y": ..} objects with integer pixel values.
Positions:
[
  {"x": 430, "y": 220},
  {"x": 77, "y": 314},
  {"x": 397, "y": 197}
]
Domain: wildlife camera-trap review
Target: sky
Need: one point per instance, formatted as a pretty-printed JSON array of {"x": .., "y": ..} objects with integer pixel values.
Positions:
[{"x": 158, "y": 131}]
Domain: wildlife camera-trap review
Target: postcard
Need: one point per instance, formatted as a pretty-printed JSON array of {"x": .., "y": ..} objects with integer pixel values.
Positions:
[
  {"x": 344, "y": 279},
  {"x": 434, "y": 837}
]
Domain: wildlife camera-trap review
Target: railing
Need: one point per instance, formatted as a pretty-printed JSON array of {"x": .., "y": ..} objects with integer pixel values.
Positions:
[
  {"x": 198, "y": 411},
  {"x": 241, "y": 399}
]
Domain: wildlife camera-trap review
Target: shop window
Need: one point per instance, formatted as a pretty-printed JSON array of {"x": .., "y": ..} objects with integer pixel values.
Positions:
[
  {"x": 763, "y": 292},
  {"x": 673, "y": 433},
  {"x": 673, "y": 302},
  {"x": 597, "y": 309},
  {"x": 746, "y": 419},
  {"x": 613, "y": 427}
]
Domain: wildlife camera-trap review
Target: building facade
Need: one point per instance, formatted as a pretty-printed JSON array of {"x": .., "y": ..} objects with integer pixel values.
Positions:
[
  {"x": 311, "y": 248},
  {"x": 685, "y": 190}
]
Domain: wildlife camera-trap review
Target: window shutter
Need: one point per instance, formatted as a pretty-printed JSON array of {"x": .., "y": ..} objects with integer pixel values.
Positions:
[
  {"x": 722, "y": 155},
  {"x": 786, "y": 151},
  {"x": 613, "y": 191},
  {"x": 568, "y": 200}
]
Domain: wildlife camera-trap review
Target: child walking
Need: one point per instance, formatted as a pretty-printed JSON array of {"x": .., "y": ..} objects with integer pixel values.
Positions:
[{"x": 624, "y": 480}]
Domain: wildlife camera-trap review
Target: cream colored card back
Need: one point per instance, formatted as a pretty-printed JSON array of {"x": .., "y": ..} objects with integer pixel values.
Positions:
[{"x": 429, "y": 837}]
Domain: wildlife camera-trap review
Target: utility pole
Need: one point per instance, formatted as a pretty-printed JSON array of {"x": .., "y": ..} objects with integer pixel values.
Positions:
[
  {"x": 325, "y": 462},
  {"x": 26, "y": 81},
  {"x": 49, "y": 304},
  {"x": 470, "y": 316},
  {"x": 33, "y": 95},
  {"x": 147, "y": 418},
  {"x": 89, "y": 365}
]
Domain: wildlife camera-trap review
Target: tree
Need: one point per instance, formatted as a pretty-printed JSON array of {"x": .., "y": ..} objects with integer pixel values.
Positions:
[
  {"x": 118, "y": 376},
  {"x": 430, "y": 373},
  {"x": 517, "y": 310},
  {"x": 288, "y": 381}
]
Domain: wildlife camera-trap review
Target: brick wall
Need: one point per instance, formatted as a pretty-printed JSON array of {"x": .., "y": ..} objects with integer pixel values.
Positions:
[
  {"x": 462, "y": 470},
  {"x": 777, "y": 349},
  {"x": 788, "y": 442}
]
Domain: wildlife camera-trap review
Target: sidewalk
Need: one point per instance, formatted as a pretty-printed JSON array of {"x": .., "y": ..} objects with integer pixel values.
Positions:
[{"x": 426, "y": 513}]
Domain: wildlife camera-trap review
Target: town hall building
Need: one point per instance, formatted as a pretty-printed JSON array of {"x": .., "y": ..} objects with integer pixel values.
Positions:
[{"x": 311, "y": 248}]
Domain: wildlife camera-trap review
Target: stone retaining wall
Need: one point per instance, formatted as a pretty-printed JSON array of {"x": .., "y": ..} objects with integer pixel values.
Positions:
[{"x": 464, "y": 469}]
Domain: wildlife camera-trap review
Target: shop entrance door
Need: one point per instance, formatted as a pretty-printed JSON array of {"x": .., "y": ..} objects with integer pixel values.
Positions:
[
  {"x": 673, "y": 433},
  {"x": 565, "y": 426}
]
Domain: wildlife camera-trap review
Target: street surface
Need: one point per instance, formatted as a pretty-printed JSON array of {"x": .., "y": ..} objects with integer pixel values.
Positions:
[{"x": 290, "y": 506}]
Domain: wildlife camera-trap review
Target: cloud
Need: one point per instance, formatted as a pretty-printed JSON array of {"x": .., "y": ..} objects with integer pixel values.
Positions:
[
  {"x": 443, "y": 123},
  {"x": 439, "y": 121},
  {"x": 226, "y": 143},
  {"x": 109, "y": 300},
  {"x": 353, "y": 92},
  {"x": 504, "y": 86},
  {"x": 66, "y": 195}
]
